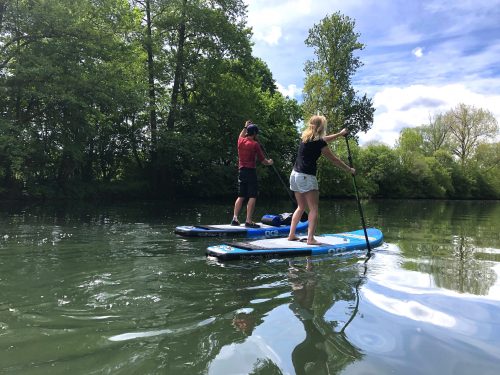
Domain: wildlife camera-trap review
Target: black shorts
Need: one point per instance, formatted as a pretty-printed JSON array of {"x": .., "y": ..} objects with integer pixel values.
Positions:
[{"x": 247, "y": 183}]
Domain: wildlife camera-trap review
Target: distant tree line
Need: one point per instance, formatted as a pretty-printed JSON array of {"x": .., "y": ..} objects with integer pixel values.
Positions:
[
  {"x": 448, "y": 158},
  {"x": 145, "y": 99}
]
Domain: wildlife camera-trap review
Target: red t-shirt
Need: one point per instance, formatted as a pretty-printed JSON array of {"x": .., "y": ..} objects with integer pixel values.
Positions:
[{"x": 248, "y": 151}]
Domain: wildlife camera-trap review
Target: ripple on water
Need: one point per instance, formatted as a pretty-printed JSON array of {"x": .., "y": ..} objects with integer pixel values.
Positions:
[
  {"x": 374, "y": 342},
  {"x": 4, "y": 327},
  {"x": 159, "y": 332}
]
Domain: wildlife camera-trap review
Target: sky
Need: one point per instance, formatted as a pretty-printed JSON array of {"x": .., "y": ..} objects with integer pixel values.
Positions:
[{"x": 421, "y": 57}]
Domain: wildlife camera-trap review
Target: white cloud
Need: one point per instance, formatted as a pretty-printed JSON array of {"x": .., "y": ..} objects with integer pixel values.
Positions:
[
  {"x": 291, "y": 15},
  {"x": 271, "y": 35},
  {"x": 418, "y": 52},
  {"x": 291, "y": 91},
  {"x": 411, "y": 106},
  {"x": 268, "y": 19},
  {"x": 453, "y": 43}
]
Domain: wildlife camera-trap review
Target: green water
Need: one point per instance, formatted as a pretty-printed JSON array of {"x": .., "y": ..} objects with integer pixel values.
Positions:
[{"x": 111, "y": 290}]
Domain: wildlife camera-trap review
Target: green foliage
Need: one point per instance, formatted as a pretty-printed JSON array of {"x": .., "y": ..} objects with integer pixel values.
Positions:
[
  {"x": 410, "y": 142},
  {"x": 468, "y": 127},
  {"x": 11, "y": 160},
  {"x": 334, "y": 182},
  {"x": 381, "y": 168},
  {"x": 78, "y": 117},
  {"x": 435, "y": 135},
  {"x": 205, "y": 161},
  {"x": 328, "y": 88},
  {"x": 71, "y": 82}
]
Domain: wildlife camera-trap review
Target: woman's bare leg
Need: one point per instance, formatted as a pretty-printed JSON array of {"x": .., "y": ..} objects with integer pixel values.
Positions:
[
  {"x": 312, "y": 199},
  {"x": 297, "y": 214}
]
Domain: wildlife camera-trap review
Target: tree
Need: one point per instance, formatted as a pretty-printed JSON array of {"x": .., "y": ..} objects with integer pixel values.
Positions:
[
  {"x": 435, "y": 134},
  {"x": 199, "y": 38},
  {"x": 421, "y": 176},
  {"x": 487, "y": 157},
  {"x": 328, "y": 88},
  {"x": 3, "y": 6},
  {"x": 486, "y": 162},
  {"x": 219, "y": 109},
  {"x": 381, "y": 167},
  {"x": 468, "y": 126},
  {"x": 69, "y": 71},
  {"x": 409, "y": 145},
  {"x": 149, "y": 46}
]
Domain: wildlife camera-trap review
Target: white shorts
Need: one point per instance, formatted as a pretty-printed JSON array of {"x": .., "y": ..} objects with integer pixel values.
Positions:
[{"x": 302, "y": 183}]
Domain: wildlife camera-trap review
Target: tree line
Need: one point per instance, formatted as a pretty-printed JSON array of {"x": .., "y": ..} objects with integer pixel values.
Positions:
[
  {"x": 145, "y": 99},
  {"x": 451, "y": 157}
]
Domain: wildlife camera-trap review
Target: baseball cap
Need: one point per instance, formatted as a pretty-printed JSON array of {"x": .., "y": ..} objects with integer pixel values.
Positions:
[{"x": 252, "y": 129}]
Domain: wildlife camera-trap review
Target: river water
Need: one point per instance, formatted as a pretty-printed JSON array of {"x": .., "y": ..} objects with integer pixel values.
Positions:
[{"x": 110, "y": 289}]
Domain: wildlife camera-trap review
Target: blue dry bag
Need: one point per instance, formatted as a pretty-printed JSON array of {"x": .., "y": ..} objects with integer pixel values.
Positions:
[
  {"x": 277, "y": 220},
  {"x": 274, "y": 220}
]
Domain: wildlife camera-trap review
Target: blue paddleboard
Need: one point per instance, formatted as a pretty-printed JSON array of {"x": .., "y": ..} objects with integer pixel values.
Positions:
[
  {"x": 221, "y": 230},
  {"x": 281, "y": 247}
]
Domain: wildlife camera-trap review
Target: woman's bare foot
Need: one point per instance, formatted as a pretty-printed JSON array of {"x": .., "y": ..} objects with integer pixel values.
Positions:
[
  {"x": 293, "y": 238},
  {"x": 313, "y": 242}
]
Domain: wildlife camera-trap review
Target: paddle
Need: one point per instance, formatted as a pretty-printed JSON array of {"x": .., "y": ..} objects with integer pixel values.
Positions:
[
  {"x": 290, "y": 195},
  {"x": 357, "y": 196},
  {"x": 358, "y": 116}
]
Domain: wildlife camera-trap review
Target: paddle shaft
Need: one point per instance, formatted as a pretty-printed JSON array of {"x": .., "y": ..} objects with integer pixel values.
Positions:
[
  {"x": 357, "y": 196},
  {"x": 292, "y": 198}
]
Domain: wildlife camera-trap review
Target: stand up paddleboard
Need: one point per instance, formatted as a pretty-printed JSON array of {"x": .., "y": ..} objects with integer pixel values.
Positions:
[
  {"x": 280, "y": 247},
  {"x": 220, "y": 230}
]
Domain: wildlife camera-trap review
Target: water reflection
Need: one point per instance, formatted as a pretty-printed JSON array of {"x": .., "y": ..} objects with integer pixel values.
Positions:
[
  {"x": 463, "y": 269},
  {"x": 302, "y": 331},
  {"x": 416, "y": 327},
  {"x": 310, "y": 355},
  {"x": 98, "y": 290},
  {"x": 450, "y": 241},
  {"x": 323, "y": 351}
]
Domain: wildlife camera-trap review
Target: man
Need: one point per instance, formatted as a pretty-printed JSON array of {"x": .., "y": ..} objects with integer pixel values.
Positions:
[{"x": 248, "y": 151}]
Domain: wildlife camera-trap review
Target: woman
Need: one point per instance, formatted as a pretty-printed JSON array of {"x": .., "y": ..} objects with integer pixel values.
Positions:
[{"x": 314, "y": 143}]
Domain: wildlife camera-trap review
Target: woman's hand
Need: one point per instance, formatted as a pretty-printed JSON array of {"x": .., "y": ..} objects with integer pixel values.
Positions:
[{"x": 344, "y": 132}]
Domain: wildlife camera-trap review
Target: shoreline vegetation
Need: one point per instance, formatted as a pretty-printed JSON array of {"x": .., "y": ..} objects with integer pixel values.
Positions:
[{"x": 131, "y": 100}]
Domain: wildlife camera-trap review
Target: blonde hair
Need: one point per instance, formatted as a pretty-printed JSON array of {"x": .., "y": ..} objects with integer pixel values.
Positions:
[{"x": 315, "y": 130}]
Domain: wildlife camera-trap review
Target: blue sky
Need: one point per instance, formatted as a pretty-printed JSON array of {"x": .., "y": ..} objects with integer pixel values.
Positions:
[{"x": 420, "y": 58}]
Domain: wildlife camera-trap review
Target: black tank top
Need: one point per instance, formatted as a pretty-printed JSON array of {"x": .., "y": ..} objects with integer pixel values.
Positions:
[{"x": 308, "y": 155}]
